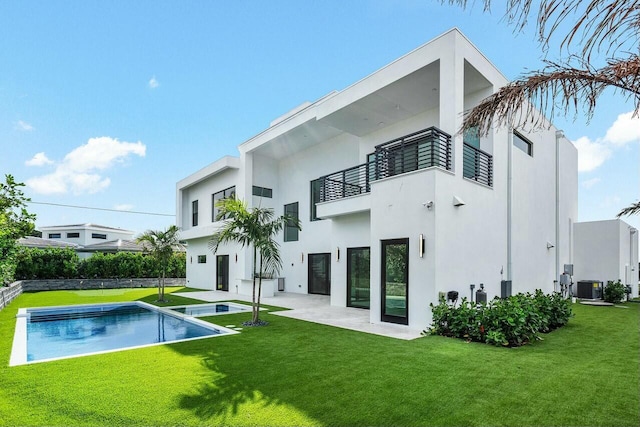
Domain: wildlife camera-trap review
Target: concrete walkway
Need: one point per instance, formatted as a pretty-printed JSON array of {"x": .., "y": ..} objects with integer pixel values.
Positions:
[{"x": 317, "y": 309}]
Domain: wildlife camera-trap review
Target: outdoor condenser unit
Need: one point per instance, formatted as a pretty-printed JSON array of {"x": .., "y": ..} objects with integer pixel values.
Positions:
[{"x": 589, "y": 289}]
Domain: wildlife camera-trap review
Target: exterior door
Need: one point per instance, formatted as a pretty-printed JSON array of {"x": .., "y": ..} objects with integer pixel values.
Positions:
[
  {"x": 358, "y": 277},
  {"x": 222, "y": 272},
  {"x": 320, "y": 274},
  {"x": 395, "y": 281}
]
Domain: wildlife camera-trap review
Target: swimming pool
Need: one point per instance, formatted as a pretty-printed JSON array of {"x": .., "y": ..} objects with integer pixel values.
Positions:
[
  {"x": 51, "y": 333},
  {"x": 200, "y": 310}
]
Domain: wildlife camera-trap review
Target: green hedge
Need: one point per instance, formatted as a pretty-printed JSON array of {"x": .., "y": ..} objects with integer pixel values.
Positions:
[
  {"x": 513, "y": 321},
  {"x": 55, "y": 263}
]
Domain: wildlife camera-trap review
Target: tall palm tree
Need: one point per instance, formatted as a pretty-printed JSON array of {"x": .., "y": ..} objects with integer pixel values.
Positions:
[
  {"x": 253, "y": 228},
  {"x": 160, "y": 245}
]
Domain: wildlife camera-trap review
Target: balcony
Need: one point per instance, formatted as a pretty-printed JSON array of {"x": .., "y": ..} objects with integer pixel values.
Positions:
[
  {"x": 420, "y": 150},
  {"x": 477, "y": 165}
]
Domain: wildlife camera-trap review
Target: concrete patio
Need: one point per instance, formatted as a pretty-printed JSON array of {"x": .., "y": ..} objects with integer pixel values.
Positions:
[{"x": 314, "y": 308}]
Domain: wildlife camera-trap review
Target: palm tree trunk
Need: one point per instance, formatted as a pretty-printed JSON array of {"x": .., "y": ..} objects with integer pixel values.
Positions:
[
  {"x": 253, "y": 298},
  {"x": 164, "y": 272},
  {"x": 256, "y": 316}
]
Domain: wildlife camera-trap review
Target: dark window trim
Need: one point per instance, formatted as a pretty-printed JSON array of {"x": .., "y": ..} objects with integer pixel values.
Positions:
[
  {"x": 202, "y": 259},
  {"x": 529, "y": 144},
  {"x": 100, "y": 236},
  {"x": 349, "y": 267},
  {"x": 383, "y": 251},
  {"x": 313, "y": 216},
  {"x": 73, "y": 235},
  {"x": 55, "y": 235},
  {"x": 194, "y": 213},
  {"x": 262, "y": 192},
  {"x": 327, "y": 256},
  {"x": 226, "y": 194},
  {"x": 291, "y": 232}
]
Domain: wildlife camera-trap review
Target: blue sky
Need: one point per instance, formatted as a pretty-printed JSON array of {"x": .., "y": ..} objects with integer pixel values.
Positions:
[{"x": 109, "y": 104}]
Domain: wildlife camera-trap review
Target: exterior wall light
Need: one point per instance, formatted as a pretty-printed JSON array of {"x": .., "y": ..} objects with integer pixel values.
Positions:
[
  {"x": 302, "y": 257},
  {"x": 421, "y": 245},
  {"x": 337, "y": 254}
]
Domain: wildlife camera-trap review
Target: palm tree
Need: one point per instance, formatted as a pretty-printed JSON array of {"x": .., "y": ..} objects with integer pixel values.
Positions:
[
  {"x": 160, "y": 245},
  {"x": 633, "y": 209},
  {"x": 255, "y": 228}
]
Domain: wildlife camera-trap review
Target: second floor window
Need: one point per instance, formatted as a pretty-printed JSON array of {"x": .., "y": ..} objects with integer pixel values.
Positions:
[
  {"x": 316, "y": 189},
  {"x": 99, "y": 236},
  {"x": 290, "y": 230},
  {"x": 523, "y": 143},
  {"x": 227, "y": 193},
  {"x": 54, "y": 235},
  {"x": 194, "y": 213}
]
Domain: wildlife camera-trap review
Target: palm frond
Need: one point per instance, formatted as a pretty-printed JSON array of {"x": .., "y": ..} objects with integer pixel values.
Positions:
[{"x": 633, "y": 209}]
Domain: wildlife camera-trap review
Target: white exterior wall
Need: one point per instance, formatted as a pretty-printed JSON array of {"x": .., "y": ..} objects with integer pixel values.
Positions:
[
  {"x": 86, "y": 231},
  {"x": 606, "y": 250},
  {"x": 464, "y": 244}
]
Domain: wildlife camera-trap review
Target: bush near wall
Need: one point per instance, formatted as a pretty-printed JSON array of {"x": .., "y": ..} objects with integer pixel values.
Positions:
[
  {"x": 511, "y": 322},
  {"x": 55, "y": 263}
]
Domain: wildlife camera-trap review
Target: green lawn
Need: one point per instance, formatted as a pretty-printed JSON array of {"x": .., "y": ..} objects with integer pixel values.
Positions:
[{"x": 297, "y": 373}]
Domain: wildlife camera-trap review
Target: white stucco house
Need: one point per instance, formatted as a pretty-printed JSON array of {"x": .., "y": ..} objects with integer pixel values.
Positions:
[
  {"x": 396, "y": 206},
  {"x": 606, "y": 251},
  {"x": 88, "y": 238}
]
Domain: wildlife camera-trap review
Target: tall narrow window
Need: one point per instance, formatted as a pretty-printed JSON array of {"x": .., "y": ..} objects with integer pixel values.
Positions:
[
  {"x": 523, "y": 143},
  {"x": 316, "y": 188},
  {"x": 290, "y": 230},
  {"x": 194, "y": 213}
]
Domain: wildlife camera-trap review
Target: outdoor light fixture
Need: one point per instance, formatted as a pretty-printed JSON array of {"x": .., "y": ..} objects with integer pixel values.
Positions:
[
  {"x": 302, "y": 257},
  {"x": 236, "y": 257},
  {"x": 191, "y": 260},
  {"x": 421, "y": 245},
  {"x": 337, "y": 254},
  {"x": 550, "y": 245}
]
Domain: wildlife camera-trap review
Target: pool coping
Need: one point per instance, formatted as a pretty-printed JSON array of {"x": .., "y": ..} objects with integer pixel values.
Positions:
[{"x": 19, "y": 348}]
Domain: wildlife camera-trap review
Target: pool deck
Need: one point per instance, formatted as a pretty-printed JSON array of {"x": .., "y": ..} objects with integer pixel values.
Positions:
[{"x": 317, "y": 309}]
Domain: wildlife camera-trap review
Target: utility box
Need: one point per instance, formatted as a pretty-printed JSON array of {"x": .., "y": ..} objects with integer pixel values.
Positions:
[
  {"x": 281, "y": 284},
  {"x": 505, "y": 289},
  {"x": 590, "y": 289}
]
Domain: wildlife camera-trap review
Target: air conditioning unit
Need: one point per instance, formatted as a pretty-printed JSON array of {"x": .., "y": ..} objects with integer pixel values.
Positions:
[{"x": 589, "y": 289}]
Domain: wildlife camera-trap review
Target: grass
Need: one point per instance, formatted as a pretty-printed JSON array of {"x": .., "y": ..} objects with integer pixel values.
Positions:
[{"x": 298, "y": 373}]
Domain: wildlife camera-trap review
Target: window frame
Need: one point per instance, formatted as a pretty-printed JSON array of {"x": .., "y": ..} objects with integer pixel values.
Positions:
[
  {"x": 101, "y": 236},
  {"x": 291, "y": 232},
  {"x": 202, "y": 259},
  {"x": 517, "y": 136},
  {"x": 194, "y": 213},
  {"x": 227, "y": 193},
  {"x": 262, "y": 192},
  {"x": 75, "y": 235},
  {"x": 55, "y": 235}
]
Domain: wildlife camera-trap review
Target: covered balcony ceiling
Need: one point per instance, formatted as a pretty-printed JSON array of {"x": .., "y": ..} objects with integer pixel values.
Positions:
[
  {"x": 412, "y": 94},
  {"x": 404, "y": 98}
]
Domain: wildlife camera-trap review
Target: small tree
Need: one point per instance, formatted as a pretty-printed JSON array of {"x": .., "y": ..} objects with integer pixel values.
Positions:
[
  {"x": 15, "y": 222},
  {"x": 160, "y": 245},
  {"x": 255, "y": 228}
]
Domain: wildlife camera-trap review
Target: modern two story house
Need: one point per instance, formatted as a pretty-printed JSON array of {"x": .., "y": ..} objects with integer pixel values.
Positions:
[{"x": 397, "y": 207}]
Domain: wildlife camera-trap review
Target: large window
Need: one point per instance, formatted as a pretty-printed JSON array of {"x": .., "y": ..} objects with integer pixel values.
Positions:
[
  {"x": 316, "y": 188},
  {"x": 262, "y": 192},
  {"x": 523, "y": 143},
  {"x": 290, "y": 230},
  {"x": 73, "y": 235},
  {"x": 99, "y": 236},
  {"x": 227, "y": 193},
  {"x": 194, "y": 213}
]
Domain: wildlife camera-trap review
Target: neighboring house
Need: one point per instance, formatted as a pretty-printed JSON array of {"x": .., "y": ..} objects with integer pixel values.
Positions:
[
  {"x": 396, "y": 206},
  {"x": 42, "y": 243},
  {"x": 87, "y": 238},
  {"x": 606, "y": 250}
]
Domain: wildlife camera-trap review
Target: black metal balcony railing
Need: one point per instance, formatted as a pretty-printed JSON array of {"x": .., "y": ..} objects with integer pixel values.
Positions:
[
  {"x": 419, "y": 150},
  {"x": 477, "y": 165}
]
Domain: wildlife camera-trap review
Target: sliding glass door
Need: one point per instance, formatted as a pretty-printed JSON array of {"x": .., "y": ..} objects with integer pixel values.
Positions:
[
  {"x": 395, "y": 281},
  {"x": 358, "y": 274},
  {"x": 222, "y": 272}
]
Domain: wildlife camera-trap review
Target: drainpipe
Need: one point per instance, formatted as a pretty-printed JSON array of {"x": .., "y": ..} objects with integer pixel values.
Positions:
[
  {"x": 509, "y": 201},
  {"x": 632, "y": 231},
  {"x": 559, "y": 134}
]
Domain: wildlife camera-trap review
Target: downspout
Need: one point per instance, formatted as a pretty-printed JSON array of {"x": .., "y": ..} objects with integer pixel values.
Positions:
[
  {"x": 632, "y": 231},
  {"x": 509, "y": 201},
  {"x": 559, "y": 134}
]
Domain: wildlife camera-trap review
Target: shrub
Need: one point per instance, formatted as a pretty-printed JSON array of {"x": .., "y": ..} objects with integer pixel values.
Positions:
[
  {"x": 513, "y": 321},
  {"x": 614, "y": 292},
  {"x": 50, "y": 263}
]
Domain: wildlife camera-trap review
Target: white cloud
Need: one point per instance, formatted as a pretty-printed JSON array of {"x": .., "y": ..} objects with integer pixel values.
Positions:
[
  {"x": 77, "y": 172},
  {"x": 591, "y": 154},
  {"x": 39, "y": 159},
  {"x": 589, "y": 183},
  {"x": 154, "y": 83},
  {"x": 24, "y": 126},
  {"x": 123, "y": 207},
  {"x": 624, "y": 130}
]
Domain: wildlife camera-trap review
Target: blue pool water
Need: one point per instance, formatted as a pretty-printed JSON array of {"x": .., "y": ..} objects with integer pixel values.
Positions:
[
  {"x": 70, "y": 331},
  {"x": 212, "y": 309}
]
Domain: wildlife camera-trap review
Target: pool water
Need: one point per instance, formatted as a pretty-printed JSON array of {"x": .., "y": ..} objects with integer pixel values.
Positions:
[
  {"x": 211, "y": 309},
  {"x": 60, "y": 332}
]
